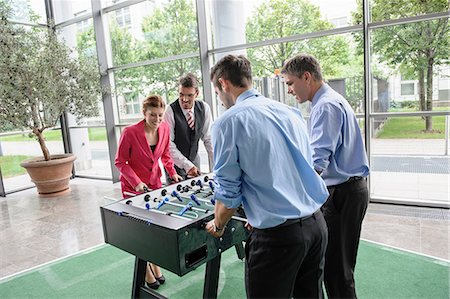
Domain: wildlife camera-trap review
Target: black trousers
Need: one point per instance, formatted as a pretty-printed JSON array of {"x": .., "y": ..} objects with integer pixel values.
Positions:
[
  {"x": 344, "y": 212},
  {"x": 287, "y": 261}
]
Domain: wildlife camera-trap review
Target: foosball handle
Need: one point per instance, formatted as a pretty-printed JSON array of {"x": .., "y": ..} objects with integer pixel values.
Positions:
[
  {"x": 175, "y": 194},
  {"x": 186, "y": 207},
  {"x": 162, "y": 202},
  {"x": 194, "y": 199}
]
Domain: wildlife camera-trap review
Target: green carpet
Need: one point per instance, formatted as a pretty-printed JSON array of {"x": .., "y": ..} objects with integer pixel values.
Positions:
[{"x": 107, "y": 272}]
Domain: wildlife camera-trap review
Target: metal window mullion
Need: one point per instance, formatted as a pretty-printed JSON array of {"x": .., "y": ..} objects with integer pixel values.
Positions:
[
  {"x": 63, "y": 119},
  {"x": 291, "y": 38},
  {"x": 27, "y": 23},
  {"x": 205, "y": 64},
  {"x": 106, "y": 84},
  {"x": 153, "y": 61},
  {"x": 121, "y": 5},
  {"x": 368, "y": 83},
  {"x": 408, "y": 20},
  {"x": 83, "y": 17},
  {"x": 2, "y": 186},
  {"x": 406, "y": 114}
]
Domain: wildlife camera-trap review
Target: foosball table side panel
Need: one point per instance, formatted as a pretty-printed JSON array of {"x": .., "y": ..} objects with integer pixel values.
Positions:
[{"x": 145, "y": 240}]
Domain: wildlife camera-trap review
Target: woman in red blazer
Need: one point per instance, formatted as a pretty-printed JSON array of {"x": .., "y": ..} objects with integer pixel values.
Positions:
[{"x": 140, "y": 148}]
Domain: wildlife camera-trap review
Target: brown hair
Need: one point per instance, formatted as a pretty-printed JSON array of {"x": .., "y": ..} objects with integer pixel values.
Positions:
[
  {"x": 188, "y": 80},
  {"x": 155, "y": 101},
  {"x": 237, "y": 69}
]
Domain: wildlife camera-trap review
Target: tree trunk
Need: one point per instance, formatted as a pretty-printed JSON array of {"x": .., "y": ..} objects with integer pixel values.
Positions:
[
  {"x": 41, "y": 140},
  {"x": 422, "y": 89},
  {"x": 429, "y": 102}
]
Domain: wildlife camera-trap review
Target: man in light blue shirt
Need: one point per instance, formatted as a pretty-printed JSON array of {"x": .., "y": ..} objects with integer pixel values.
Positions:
[
  {"x": 263, "y": 161},
  {"x": 340, "y": 157}
]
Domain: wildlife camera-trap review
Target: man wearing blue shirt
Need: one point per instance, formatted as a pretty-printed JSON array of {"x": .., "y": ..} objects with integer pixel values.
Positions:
[
  {"x": 340, "y": 158},
  {"x": 263, "y": 161}
]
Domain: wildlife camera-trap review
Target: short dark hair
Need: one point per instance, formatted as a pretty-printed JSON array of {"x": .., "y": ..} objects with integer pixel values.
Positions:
[
  {"x": 188, "y": 80},
  {"x": 302, "y": 63},
  {"x": 155, "y": 101},
  {"x": 236, "y": 69}
]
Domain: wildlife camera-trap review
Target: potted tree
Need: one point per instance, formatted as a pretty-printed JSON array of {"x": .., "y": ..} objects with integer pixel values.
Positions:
[{"x": 40, "y": 78}]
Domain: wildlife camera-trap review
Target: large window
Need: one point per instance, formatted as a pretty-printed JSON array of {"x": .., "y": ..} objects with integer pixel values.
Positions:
[
  {"x": 133, "y": 85},
  {"x": 152, "y": 30},
  {"x": 409, "y": 154},
  {"x": 241, "y": 22},
  {"x": 65, "y": 10},
  {"x": 28, "y": 11},
  {"x": 149, "y": 44}
]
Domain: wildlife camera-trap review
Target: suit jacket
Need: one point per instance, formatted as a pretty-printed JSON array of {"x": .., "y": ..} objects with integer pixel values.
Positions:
[{"x": 135, "y": 160}]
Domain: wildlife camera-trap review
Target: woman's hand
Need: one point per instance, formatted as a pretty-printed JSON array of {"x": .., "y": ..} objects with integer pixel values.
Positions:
[
  {"x": 140, "y": 187},
  {"x": 176, "y": 178}
]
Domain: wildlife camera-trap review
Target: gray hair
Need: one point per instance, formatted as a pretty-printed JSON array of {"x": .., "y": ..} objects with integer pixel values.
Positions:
[{"x": 302, "y": 63}]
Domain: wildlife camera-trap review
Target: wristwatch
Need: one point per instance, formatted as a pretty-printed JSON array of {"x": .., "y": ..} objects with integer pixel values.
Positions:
[{"x": 217, "y": 229}]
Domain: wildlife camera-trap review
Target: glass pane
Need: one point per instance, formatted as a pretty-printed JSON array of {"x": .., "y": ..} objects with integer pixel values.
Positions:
[
  {"x": 152, "y": 29},
  {"x": 80, "y": 37},
  {"x": 138, "y": 83},
  {"x": 68, "y": 9},
  {"x": 240, "y": 22},
  {"x": 341, "y": 63},
  {"x": 411, "y": 76},
  {"x": 14, "y": 148},
  {"x": 408, "y": 163},
  {"x": 91, "y": 148},
  {"x": 390, "y": 10},
  {"x": 29, "y": 11}
]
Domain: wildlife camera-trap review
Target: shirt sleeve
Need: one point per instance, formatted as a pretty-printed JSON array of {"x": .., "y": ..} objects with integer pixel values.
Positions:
[
  {"x": 166, "y": 159},
  {"x": 326, "y": 126},
  {"x": 178, "y": 158},
  {"x": 206, "y": 134},
  {"x": 228, "y": 174}
]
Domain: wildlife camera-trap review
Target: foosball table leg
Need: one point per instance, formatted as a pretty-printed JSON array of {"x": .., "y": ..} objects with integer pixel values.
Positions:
[
  {"x": 140, "y": 266},
  {"x": 240, "y": 250},
  {"x": 211, "y": 278},
  {"x": 139, "y": 290}
]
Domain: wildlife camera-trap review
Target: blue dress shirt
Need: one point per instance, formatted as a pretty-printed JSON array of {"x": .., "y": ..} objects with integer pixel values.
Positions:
[
  {"x": 338, "y": 148},
  {"x": 263, "y": 160}
]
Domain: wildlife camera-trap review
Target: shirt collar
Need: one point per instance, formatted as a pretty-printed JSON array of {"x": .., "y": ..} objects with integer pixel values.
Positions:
[
  {"x": 185, "y": 111},
  {"x": 247, "y": 94},
  {"x": 319, "y": 93}
]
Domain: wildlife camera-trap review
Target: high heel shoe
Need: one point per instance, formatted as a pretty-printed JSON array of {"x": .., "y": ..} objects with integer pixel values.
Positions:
[
  {"x": 154, "y": 285},
  {"x": 161, "y": 279}
]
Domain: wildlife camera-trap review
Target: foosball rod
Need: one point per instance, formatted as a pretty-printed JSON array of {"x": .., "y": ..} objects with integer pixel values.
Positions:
[
  {"x": 171, "y": 213},
  {"x": 182, "y": 206}
]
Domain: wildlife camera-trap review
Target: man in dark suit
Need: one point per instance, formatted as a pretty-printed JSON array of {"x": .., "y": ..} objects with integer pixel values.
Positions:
[{"x": 189, "y": 120}]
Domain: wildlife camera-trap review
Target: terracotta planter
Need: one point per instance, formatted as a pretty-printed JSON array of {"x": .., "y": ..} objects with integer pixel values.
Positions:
[{"x": 50, "y": 177}]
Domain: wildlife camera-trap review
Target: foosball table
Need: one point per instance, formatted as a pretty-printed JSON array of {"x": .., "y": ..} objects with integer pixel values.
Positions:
[{"x": 166, "y": 227}]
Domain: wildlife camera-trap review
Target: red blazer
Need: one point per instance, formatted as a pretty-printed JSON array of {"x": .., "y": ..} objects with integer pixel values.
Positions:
[{"x": 137, "y": 163}]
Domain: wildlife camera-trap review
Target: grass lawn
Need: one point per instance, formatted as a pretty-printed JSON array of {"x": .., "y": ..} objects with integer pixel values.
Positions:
[
  {"x": 95, "y": 134},
  {"x": 50, "y": 135},
  {"x": 10, "y": 165},
  {"x": 412, "y": 127}
]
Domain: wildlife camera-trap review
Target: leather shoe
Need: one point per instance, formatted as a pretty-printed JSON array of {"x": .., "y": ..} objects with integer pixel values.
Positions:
[
  {"x": 161, "y": 279},
  {"x": 154, "y": 285}
]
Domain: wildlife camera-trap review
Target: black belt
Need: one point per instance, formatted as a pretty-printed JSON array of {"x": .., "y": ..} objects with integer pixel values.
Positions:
[
  {"x": 298, "y": 220},
  {"x": 354, "y": 178},
  {"x": 350, "y": 180}
]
